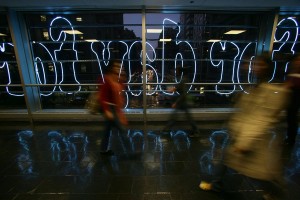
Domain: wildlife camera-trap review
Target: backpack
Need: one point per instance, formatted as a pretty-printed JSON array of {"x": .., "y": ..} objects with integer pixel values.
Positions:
[{"x": 93, "y": 103}]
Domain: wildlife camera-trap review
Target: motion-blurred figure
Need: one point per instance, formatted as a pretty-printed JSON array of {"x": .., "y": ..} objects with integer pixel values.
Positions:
[
  {"x": 293, "y": 83},
  {"x": 254, "y": 150},
  {"x": 112, "y": 103},
  {"x": 182, "y": 104}
]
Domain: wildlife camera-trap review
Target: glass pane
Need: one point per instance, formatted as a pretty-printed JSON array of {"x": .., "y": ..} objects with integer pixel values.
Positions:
[
  {"x": 74, "y": 49},
  {"x": 286, "y": 44},
  {"x": 201, "y": 44},
  {"x": 11, "y": 92}
]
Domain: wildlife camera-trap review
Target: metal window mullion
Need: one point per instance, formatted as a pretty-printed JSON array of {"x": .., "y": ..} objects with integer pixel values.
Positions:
[
  {"x": 267, "y": 31},
  {"x": 24, "y": 61},
  {"x": 144, "y": 65}
]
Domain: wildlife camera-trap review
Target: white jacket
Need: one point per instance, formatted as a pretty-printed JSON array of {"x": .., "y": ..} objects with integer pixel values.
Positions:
[{"x": 250, "y": 129}]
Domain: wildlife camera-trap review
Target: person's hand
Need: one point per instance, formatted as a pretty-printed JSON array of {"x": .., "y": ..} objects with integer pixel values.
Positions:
[
  {"x": 109, "y": 115},
  {"x": 172, "y": 89},
  {"x": 123, "y": 119}
]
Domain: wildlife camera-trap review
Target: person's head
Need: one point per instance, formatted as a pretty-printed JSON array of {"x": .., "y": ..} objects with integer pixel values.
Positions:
[{"x": 263, "y": 67}]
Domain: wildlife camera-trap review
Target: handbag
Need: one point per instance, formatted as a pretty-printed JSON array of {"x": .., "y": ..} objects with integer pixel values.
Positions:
[{"x": 93, "y": 103}]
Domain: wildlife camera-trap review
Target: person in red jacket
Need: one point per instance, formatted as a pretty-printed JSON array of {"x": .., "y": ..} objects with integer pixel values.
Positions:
[{"x": 112, "y": 103}]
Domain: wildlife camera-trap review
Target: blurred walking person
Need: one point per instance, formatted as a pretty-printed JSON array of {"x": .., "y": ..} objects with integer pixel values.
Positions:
[
  {"x": 182, "y": 104},
  {"x": 112, "y": 104},
  {"x": 254, "y": 150}
]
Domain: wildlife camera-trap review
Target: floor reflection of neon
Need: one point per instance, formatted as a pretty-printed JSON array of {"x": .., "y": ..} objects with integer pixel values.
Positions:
[{"x": 218, "y": 140}]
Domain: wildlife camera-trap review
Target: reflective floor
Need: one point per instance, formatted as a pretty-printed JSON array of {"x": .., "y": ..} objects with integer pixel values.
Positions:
[{"x": 64, "y": 162}]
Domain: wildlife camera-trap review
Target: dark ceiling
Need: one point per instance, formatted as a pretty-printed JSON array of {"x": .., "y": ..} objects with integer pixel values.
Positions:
[{"x": 153, "y": 4}]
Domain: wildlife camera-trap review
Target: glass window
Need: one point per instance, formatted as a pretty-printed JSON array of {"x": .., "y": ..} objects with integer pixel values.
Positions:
[
  {"x": 11, "y": 91},
  {"x": 286, "y": 44},
  {"x": 71, "y": 53},
  {"x": 74, "y": 50},
  {"x": 210, "y": 47}
]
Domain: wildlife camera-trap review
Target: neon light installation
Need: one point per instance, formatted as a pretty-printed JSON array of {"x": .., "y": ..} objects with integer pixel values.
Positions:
[
  {"x": 66, "y": 43},
  {"x": 285, "y": 39},
  {"x": 221, "y": 47},
  {"x": 249, "y": 65},
  {"x": 178, "y": 55},
  {"x": 42, "y": 73},
  {"x": 62, "y": 37}
]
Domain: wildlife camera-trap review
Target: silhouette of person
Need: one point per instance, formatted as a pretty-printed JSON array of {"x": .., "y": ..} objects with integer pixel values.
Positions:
[
  {"x": 293, "y": 83},
  {"x": 112, "y": 103},
  {"x": 182, "y": 103}
]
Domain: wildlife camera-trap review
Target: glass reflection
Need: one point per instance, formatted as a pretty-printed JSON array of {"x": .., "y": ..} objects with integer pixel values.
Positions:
[
  {"x": 24, "y": 158},
  {"x": 181, "y": 140},
  {"x": 136, "y": 139},
  {"x": 214, "y": 155},
  {"x": 71, "y": 154},
  {"x": 58, "y": 144},
  {"x": 74, "y": 148}
]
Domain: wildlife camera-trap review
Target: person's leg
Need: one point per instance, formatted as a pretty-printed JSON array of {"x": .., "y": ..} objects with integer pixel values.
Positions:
[
  {"x": 106, "y": 137},
  {"x": 216, "y": 181},
  {"x": 172, "y": 120},
  {"x": 191, "y": 121},
  {"x": 121, "y": 131}
]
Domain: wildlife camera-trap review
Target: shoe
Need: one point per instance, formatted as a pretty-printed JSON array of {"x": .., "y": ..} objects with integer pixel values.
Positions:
[
  {"x": 205, "y": 186},
  {"x": 214, "y": 187},
  {"x": 107, "y": 153}
]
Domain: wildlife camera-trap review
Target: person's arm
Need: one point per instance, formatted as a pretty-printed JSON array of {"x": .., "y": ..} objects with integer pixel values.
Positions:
[{"x": 104, "y": 99}]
